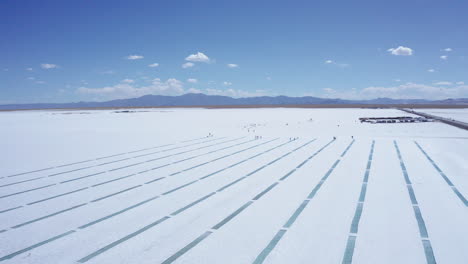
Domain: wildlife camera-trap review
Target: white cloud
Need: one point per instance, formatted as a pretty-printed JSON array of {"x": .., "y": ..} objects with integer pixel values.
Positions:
[
  {"x": 401, "y": 51},
  {"x": 413, "y": 90},
  {"x": 397, "y": 80},
  {"x": 192, "y": 80},
  {"x": 127, "y": 81},
  {"x": 227, "y": 83},
  {"x": 187, "y": 65},
  {"x": 403, "y": 91},
  {"x": 40, "y": 82},
  {"x": 199, "y": 57},
  {"x": 444, "y": 57},
  {"x": 448, "y": 49},
  {"x": 234, "y": 93},
  {"x": 153, "y": 65},
  {"x": 128, "y": 90},
  {"x": 431, "y": 70},
  {"x": 169, "y": 87},
  {"x": 110, "y": 72},
  {"x": 343, "y": 65},
  {"x": 29, "y": 69},
  {"x": 442, "y": 83},
  {"x": 134, "y": 57},
  {"x": 232, "y": 65},
  {"x": 268, "y": 78},
  {"x": 229, "y": 92},
  {"x": 194, "y": 90},
  {"x": 49, "y": 66},
  {"x": 31, "y": 78},
  {"x": 460, "y": 83}
]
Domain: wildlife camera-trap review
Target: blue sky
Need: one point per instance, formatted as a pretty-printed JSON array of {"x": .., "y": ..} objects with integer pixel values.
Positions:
[{"x": 64, "y": 51}]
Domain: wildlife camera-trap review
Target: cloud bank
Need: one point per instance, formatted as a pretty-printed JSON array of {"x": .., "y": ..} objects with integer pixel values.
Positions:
[
  {"x": 187, "y": 65},
  {"x": 437, "y": 91},
  {"x": 128, "y": 89}
]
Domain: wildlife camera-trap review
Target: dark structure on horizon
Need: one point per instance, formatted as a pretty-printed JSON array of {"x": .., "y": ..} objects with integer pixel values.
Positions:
[{"x": 400, "y": 119}]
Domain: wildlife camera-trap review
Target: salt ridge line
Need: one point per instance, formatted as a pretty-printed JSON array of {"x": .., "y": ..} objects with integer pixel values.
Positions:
[
  {"x": 220, "y": 224},
  {"x": 102, "y": 164},
  {"x": 102, "y": 250},
  {"x": 119, "y": 178},
  {"x": 120, "y": 192},
  {"x": 270, "y": 246},
  {"x": 151, "y": 181},
  {"x": 69, "y": 164},
  {"x": 350, "y": 244},
  {"x": 138, "y": 156},
  {"x": 447, "y": 180},
  {"x": 216, "y": 159},
  {"x": 157, "y": 196},
  {"x": 102, "y": 183},
  {"x": 9, "y": 256},
  {"x": 242, "y": 161},
  {"x": 192, "y": 140},
  {"x": 426, "y": 242},
  {"x": 141, "y": 172},
  {"x": 102, "y": 172}
]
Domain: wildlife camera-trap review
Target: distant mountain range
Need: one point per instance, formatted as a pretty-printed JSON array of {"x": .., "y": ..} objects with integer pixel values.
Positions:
[{"x": 216, "y": 100}]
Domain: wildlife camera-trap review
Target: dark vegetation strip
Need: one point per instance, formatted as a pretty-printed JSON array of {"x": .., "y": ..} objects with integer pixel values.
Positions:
[
  {"x": 10, "y": 209},
  {"x": 105, "y": 157},
  {"x": 101, "y": 164},
  {"x": 193, "y": 243},
  {"x": 102, "y": 172},
  {"x": 79, "y": 162},
  {"x": 429, "y": 253},
  {"x": 14, "y": 254},
  {"x": 192, "y": 140},
  {"x": 56, "y": 196},
  {"x": 43, "y": 200},
  {"x": 29, "y": 190},
  {"x": 122, "y": 191},
  {"x": 446, "y": 179},
  {"x": 188, "y": 247},
  {"x": 277, "y": 237},
  {"x": 118, "y": 213},
  {"x": 350, "y": 244},
  {"x": 29, "y": 180},
  {"x": 116, "y": 193},
  {"x": 47, "y": 216},
  {"x": 231, "y": 216},
  {"x": 178, "y": 153},
  {"x": 219, "y": 158}
]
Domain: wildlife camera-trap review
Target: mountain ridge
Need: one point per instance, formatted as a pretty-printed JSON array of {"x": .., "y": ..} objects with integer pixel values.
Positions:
[{"x": 192, "y": 99}]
